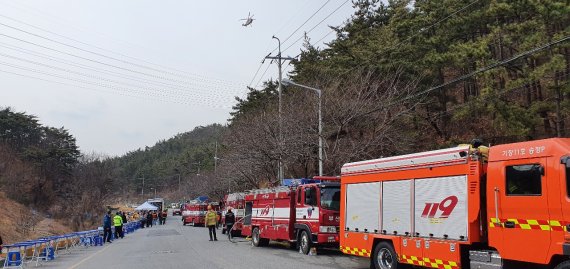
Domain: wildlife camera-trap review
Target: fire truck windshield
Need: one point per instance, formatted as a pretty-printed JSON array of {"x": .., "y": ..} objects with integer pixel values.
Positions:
[{"x": 330, "y": 198}]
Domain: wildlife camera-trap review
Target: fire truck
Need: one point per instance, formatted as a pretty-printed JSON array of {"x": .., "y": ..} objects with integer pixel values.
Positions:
[
  {"x": 194, "y": 212},
  {"x": 305, "y": 215},
  {"x": 237, "y": 202},
  {"x": 506, "y": 206}
]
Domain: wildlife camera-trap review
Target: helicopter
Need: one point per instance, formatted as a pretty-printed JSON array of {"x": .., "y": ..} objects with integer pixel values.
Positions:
[{"x": 248, "y": 21}]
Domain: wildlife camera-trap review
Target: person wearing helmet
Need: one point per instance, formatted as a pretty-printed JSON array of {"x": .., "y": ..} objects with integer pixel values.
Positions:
[{"x": 211, "y": 221}]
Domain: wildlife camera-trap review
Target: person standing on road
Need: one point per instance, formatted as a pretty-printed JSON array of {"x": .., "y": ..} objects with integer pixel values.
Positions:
[
  {"x": 118, "y": 221},
  {"x": 164, "y": 215},
  {"x": 211, "y": 222},
  {"x": 154, "y": 217},
  {"x": 107, "y": 227},
  {"x": 149, "y": 219},
  {"x": 230, "y": 219},
  {"x": 159, "y": 217}
]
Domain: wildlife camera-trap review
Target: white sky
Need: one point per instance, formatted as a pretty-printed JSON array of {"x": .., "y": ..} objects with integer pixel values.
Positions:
[{"x": 199, "y": 37}]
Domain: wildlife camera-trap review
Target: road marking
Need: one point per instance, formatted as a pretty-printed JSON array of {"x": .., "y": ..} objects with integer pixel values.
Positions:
[{"x": 89, "y": 257}]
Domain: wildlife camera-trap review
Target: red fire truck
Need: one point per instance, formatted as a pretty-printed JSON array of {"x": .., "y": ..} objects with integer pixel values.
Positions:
[
  {"x": 237, "y": 202},
  {"x": 194, "y": 212},
  {"x": 306, "y": 214},
  {"x": 507, "y": 206}
]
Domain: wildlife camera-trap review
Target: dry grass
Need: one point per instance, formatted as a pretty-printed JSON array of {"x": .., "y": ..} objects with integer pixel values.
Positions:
[{"x": 15, "y": 214}]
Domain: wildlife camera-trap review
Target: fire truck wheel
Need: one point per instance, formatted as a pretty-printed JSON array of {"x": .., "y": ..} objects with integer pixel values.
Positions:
[
  {"x": 564, "y": 265},
  {"x": 305, "y": 242},
  {"x": 255, "y": 237},
  {"x": 385, "y": 257},
  {"x": 184, "y": 223}
]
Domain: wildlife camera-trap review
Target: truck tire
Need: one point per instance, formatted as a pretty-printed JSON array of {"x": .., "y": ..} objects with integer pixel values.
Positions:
[
  {"x": 255, "y": 239},
  {"x": 385, "y": 257},
  {"x": 304, "y": 242},
  {"x": 563, "y": 265}
]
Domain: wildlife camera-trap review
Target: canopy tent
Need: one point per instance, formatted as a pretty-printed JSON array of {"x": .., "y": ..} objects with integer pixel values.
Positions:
[{"x": 146, "y": 206}]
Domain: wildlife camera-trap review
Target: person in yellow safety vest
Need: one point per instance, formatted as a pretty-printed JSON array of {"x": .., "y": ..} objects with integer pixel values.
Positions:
[
  {"x": 118, "y": 222},
  {"x": 211, "y": 219}
]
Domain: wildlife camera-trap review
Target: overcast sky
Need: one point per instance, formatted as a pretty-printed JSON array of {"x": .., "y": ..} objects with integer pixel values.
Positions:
[{"x": 121, "y": 75}]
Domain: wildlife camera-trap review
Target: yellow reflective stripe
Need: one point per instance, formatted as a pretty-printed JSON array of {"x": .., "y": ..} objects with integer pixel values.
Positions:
[
  {"x": 554, "y": 223},
  {"x": 545, "y": 227},
  {"x": 525, "y": 226}
]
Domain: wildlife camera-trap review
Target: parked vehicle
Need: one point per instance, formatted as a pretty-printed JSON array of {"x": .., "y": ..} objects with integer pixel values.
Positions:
[
  {"x": 237, "y": 202},
  {"x": 465, "y": 207},
  {"x": 177, "y": 210},
  {"x": 194, "y": 212},
  {"x": 158, "y": 202},
  {"x": 305, "y": 214}
]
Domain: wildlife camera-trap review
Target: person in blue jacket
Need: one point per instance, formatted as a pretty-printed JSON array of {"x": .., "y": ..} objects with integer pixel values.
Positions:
[{"x": 107, "y": 227}]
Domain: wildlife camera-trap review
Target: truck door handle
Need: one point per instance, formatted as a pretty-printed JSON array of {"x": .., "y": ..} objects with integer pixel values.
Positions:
[{"x": 509, "y": 224}]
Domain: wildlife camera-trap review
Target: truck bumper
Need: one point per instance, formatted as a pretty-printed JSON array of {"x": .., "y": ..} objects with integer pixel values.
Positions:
[{"x": 326, "y": 239}]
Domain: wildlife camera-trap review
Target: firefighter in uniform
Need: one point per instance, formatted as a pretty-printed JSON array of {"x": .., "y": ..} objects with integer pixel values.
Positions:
[
  {"x": 118, "y": 222},
  {"x": 211, "y": 219}
]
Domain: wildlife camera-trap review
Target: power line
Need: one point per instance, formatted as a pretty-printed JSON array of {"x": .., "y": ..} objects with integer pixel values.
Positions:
[
  {"x": 184, "y": 74},
  {"x": 144, "y": 97},
  {"x": 484, "y": 69},
  {"x": 310, "y": 30},
  {"x": 91, "y": 52},
  {"x": 91, "y": 60},
  {"x": 263, "y": 75},
  {"x": 307, "y": 20},
  {"x": 416, "y": 34},
  {"x": 134, "y": 91},
  {"x": 99, "y": 70},
  {"x": 301, "y": 36},
  {"x": 187, "y": 95},
  {"x": 255, "y": 75}
]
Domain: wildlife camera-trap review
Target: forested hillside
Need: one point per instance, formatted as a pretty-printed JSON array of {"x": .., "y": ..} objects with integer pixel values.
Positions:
[
  {"x": 187, "y": 158},
  {"x": 42, "y": 168},
  {"x": 406, "y": 76}
]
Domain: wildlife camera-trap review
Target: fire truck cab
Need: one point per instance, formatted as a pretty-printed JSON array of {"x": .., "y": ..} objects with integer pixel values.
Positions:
[
  {"x": 507, "y": 206},
  {"x": 305, "y": 215}
]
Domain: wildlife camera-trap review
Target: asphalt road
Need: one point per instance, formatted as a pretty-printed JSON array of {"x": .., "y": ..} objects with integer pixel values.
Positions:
[{"x": 176, "y": 246}]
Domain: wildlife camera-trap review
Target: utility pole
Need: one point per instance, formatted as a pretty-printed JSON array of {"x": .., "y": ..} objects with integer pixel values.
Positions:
[
  {"x": 178, "y": 181},
  {"x": 279, "y": 87},
  {"x": 142, "y": 190},
  {"x": 216, "y": 160}
]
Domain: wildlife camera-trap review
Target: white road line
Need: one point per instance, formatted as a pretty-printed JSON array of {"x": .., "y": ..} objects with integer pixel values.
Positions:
[{"x": 89, "y": 257}]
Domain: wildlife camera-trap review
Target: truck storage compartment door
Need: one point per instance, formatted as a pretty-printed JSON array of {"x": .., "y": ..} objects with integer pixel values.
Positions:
[
  {"x": 363, "y": 207},
  {"x": 441, "y": 207},
  {"x": 396, "y": 207},
  {"x": 248, "y": 211}
]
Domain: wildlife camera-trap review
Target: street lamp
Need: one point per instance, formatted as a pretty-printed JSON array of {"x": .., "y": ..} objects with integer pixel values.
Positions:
[{"x": 287, "y": 82}]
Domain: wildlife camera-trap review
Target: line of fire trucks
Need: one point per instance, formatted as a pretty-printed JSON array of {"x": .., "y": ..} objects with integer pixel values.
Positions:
[{"x": 470, "y": 206}]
